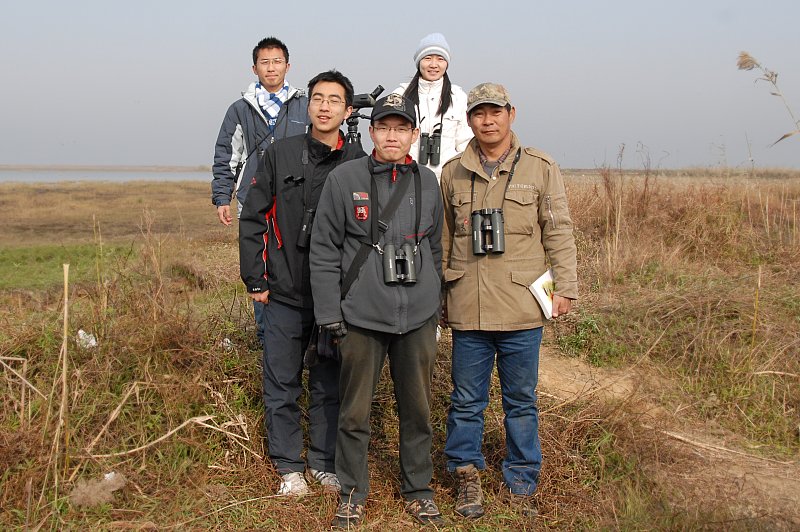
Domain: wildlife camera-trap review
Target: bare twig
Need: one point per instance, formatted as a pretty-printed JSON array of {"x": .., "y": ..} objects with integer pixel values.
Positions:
[
  {"x": 218, "y": 510},
  {"x": 20, "y": 377},
  {"x": 711, "y": 447},
  {"x": 196, "y": 419}
]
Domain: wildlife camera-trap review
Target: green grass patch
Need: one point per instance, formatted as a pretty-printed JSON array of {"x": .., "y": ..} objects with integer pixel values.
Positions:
[{"x": 40, "y": 267}]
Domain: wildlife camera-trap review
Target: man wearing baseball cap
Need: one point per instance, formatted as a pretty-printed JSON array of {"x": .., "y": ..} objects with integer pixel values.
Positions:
[
  {"x": 506, "y": 220},
  {"x": 376, "y": 278}
]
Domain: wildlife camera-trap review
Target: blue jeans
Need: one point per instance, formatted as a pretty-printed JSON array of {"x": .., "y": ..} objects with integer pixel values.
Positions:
[{"x": 518, "y": 367}]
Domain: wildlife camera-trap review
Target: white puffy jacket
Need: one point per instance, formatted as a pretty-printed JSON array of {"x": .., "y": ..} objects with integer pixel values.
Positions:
[{"x": 456, "y": 132}]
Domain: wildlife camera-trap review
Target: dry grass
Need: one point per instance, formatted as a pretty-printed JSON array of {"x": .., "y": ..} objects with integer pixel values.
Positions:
[{"x": 164, "y": 403}]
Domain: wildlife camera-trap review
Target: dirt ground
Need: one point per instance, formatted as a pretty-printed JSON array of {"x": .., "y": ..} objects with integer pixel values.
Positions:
[{"x": 713, "y": 462}]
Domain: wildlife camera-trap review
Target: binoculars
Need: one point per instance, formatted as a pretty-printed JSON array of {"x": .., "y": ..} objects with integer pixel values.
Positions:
[
  {"x": 304, "y": 237},
  {"x": 430, "y": 146},
  {"x": 487, "y": 231},
  {"x": 399, "y": 266}
]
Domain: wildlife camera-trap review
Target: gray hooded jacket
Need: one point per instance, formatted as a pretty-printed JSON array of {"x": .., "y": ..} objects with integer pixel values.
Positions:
[{"x": 343, "y": 220}]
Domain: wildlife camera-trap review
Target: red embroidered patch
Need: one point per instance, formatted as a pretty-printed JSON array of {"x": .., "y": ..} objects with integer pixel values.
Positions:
[
  {"x": 362, "y": 212},
  {"x": 360, "y": 196}
]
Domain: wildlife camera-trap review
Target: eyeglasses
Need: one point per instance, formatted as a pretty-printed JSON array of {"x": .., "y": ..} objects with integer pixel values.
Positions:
[
  {"x": 400, "y": 130},
  {"x": 333, "y": 101},
  {"x": 278, "y": 61}
]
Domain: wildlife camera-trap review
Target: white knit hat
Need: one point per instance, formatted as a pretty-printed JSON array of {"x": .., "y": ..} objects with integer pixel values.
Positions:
[{"x": 433, "y": 44}]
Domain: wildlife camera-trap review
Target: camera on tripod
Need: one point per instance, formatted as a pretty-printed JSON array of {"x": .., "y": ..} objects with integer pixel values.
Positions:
[
  {"x": 430, "y": 146},
  {"x": 487, "y": 231},
  {"x": 399, "y": 266},
  {"x": 360, "y": 101}
]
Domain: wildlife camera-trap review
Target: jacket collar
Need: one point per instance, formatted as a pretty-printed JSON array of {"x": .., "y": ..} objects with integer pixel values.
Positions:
[
  {"x": 426, "y": 87},
  {"x": 249, "y": 94},
  {"x": 319, "y": 150},
  {"x": 471, "y": 160},
  {"x": 379, "y": 167}
]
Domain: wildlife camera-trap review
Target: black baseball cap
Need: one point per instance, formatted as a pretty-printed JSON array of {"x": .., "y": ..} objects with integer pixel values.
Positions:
[{"x": 394, "y": 104}]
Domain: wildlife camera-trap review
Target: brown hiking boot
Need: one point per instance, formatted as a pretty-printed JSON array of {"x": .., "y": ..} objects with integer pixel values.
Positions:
[{"x": 469, "y": 501}]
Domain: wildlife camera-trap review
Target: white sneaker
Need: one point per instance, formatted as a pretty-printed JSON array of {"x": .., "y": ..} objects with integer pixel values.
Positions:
[
  {"x": 293, "y": 485},
  {"x": 329, "y": 481}
]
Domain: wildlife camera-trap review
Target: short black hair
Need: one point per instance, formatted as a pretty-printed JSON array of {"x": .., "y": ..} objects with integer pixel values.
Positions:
[
  {"x": 270, "y": 42},
  {"x": 333, "y": 76}
]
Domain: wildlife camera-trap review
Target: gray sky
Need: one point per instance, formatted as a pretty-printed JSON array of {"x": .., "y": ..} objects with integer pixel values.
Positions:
[{"x": 148, "y": 82}]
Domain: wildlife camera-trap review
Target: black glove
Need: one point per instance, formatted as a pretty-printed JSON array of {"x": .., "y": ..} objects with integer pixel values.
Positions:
[{"x": 337, "y": 329}]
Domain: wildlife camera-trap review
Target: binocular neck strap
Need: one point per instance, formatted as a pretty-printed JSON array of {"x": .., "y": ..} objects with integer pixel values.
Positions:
[
  {"x": 306, "y": 181},
  {"x": 508, "y": 181}
]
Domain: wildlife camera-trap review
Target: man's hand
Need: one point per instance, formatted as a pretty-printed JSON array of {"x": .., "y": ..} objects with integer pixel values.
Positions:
[
  {"x": 224, "y": 214},
  {"x": 261, "y": 297},
  {"x": 337, "y": 329},
  {"x": 561, "y": 305}
]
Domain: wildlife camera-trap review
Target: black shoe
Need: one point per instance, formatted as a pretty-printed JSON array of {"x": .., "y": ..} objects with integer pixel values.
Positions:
[
  {"x": 425, "y": 511},
  {"x": 348, "y": 516}
]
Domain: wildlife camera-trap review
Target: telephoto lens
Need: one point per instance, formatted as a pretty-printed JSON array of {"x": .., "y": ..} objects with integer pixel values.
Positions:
[
  {"x": 423, "y": 149},
  {"x": 389, "y": 264},
  {"x": 477, "y": 234},
  {"x": 498, "y": 231}
]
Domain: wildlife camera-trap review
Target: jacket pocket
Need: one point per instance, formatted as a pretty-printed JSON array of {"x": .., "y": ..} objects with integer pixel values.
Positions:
[
  {"x": 461, "y": 203},
  {"x": 524, "y": 278},
  {"x": 519, "y": 213},
  {"x": 453, "y": 275}
]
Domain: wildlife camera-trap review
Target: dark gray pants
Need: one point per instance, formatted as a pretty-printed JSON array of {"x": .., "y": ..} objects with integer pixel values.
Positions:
[
  {"x": 285, "y": 338},
  {"x": 411, "y": 361}
]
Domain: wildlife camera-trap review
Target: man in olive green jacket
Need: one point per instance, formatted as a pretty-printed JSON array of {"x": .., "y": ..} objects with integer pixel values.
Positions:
[{"x": 506, "y": 217}]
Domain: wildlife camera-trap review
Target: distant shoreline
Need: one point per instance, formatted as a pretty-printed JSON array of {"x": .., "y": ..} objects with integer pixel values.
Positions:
[{"x": 99, "y": 168}]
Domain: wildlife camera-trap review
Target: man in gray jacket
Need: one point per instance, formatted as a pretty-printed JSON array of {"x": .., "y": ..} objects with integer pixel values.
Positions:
[
  {"x": 376, "y": 278},
  {"x": 270, "y": 109}
]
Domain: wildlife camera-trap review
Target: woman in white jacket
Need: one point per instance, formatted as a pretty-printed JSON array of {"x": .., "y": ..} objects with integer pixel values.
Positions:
[{"x": 441, "y": 106}]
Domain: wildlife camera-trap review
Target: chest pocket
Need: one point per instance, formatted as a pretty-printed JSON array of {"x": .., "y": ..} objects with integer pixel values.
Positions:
[
  {"x": 462, "y": 210},
  {"x": 520, "y": 211}
]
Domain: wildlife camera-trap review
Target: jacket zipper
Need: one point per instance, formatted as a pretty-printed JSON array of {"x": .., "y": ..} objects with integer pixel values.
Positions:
[{"x": 548, "y": 200}]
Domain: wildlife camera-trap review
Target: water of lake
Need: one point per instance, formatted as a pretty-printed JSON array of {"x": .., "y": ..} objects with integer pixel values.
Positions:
[{"x": 52, "y": 176}]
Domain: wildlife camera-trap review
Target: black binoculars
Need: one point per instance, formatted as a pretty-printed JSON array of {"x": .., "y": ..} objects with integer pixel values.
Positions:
[
  {"x": 399, "y": 265},
  {"x": 304, "y": 237},
  {"x": 487, "y": 231},
  {"x": 430, "y": 146}
]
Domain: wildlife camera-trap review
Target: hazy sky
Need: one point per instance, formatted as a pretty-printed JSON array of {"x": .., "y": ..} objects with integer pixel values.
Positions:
[{"x": 148, "y": 82}]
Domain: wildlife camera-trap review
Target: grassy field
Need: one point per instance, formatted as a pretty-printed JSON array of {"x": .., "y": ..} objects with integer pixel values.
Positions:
[{"x": 691, "y": 279}]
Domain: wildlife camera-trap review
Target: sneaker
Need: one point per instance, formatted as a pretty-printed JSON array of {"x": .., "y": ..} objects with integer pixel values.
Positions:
[
  {"x": 469, "y": 501},
  {"x": 425, "y": 511},
  {"x": 293, "y": 485},
  {"x": 328, "y": 481},
  {"x": 348, "y": 516}
]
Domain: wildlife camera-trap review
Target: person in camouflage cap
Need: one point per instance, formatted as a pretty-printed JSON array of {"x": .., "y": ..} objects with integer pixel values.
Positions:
[{"x": 506, "y": 217}]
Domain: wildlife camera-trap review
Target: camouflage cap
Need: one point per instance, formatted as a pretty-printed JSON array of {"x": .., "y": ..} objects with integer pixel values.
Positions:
[{"x": 488, "y": 93}]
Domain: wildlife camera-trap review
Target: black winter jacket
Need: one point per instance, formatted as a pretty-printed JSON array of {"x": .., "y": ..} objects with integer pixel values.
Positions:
[{"x": 283, "y": 189}]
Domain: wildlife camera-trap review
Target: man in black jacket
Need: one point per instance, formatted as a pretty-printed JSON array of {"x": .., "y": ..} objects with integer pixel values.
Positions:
[{"x": 274, "y": 238}]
